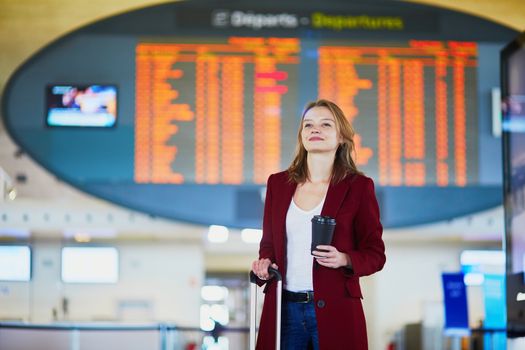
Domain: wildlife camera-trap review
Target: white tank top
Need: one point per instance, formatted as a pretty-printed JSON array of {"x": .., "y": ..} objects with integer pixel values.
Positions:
[{"x": 299, "y": 238}]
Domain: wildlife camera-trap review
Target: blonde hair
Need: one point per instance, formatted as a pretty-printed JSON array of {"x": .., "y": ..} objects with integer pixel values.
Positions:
[{"x": 344, "y": 163}]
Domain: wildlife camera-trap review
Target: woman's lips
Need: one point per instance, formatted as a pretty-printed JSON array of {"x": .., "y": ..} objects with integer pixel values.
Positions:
[{"x": 315, "y": 138}]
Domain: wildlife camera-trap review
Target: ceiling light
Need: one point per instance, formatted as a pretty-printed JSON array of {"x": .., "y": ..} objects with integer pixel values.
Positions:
[{"x": 218, "y": 234}]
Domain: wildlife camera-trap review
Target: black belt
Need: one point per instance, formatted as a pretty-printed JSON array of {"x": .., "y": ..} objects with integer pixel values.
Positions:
[{"x": 298, "y": 297}]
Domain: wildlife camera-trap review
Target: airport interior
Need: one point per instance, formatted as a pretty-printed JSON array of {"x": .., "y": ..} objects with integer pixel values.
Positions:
[{"x": 137, "y": 137}]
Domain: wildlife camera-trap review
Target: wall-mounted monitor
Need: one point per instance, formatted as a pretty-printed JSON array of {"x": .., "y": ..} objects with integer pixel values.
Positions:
[
  {"x": 513, "y": 125},
  {"x": 90, "y": 265},
  {"x": 15, "y": 263},
  {"x": 81, "y": 105}
]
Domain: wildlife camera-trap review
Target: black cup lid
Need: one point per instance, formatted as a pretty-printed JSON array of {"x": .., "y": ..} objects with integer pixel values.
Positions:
[{"x": 323, "y": 220}]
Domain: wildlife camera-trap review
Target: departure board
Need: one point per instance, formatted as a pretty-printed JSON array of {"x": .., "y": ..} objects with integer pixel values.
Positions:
[
  {"x": 226, "y": 111},
  {"x": 210, "y": 95}
]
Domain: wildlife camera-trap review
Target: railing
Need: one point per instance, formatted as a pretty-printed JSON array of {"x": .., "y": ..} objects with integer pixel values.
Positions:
[
  {"x": 163, "y": 336},
  {"x": 99, "y": 336}
]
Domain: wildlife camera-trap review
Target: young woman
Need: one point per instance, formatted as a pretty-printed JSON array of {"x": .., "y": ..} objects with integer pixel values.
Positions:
[{"x": 321, "y": 297}]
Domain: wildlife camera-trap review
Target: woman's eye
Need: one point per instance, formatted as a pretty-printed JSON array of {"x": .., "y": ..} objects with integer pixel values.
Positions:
[
  {"x": 327, "y": 124},
  {"x": 307, "y": 125}
]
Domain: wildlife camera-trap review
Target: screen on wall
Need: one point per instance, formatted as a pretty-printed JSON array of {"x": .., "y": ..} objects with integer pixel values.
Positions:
[
  {"x": 15, "y": 263},
  {"x": 226, "y": 110},
  {"x": 81, "y": 105},
  {"x": 513, "y": 125},
  {"x": 90, "y": 265}
]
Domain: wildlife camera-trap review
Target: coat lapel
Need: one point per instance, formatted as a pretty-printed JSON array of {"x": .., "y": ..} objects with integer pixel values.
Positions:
[
  {"x": 334, "y": 197},
  {"x": 286, "y": 192}
]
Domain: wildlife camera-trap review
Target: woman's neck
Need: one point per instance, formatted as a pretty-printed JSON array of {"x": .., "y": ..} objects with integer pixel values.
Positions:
[{"x": 320, "y": 166}]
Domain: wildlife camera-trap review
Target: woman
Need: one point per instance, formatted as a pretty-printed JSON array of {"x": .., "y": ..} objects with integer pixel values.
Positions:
[{"x": 321, "y": 297}]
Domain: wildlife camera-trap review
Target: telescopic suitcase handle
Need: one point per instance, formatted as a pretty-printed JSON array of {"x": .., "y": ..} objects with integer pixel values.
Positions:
[{"x": 274, "y": 273}]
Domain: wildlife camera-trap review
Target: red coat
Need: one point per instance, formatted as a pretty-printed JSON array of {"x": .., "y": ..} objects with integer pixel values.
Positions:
[{"x": 340, "y": 317}]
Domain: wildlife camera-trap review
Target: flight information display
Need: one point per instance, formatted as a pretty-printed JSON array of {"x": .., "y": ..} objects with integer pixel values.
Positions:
[{"x": 227, "y": 110}]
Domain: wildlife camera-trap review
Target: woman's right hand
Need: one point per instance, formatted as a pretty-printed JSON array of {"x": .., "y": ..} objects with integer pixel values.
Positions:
[{"x": 260, "y": 268}]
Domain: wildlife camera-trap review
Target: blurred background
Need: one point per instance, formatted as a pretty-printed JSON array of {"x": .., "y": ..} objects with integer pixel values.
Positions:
[{"x": 137, "y": 136}]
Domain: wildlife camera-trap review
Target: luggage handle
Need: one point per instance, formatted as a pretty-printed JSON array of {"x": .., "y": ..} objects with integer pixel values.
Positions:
[{"x": 274, "y": 273}]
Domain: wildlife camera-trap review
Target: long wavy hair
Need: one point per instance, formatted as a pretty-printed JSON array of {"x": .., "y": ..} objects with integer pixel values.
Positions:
[{"x": 344, "y": 163}]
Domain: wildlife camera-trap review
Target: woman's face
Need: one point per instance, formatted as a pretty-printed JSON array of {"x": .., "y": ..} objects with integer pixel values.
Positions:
[{"x": 319, "y": 131}]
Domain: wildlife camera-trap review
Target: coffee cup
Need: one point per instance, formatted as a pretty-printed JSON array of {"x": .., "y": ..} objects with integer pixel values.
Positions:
[{"x": 323, "y": 228}]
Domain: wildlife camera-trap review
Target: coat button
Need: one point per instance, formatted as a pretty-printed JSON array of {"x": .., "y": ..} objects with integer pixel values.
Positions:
[{"x": 320, "y": 304}]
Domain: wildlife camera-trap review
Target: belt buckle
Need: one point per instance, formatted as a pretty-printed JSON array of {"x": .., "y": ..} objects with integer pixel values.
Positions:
[{"x": 307, "y": 298}]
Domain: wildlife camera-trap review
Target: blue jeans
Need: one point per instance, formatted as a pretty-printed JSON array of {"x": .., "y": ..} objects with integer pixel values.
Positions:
[{"x": 299, "y": 326}]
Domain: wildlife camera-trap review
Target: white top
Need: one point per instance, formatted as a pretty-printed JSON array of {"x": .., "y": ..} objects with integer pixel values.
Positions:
[{"x": 299, "y": 238}]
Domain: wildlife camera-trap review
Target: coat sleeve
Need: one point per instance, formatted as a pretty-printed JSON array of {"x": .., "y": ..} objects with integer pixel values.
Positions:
[{"x": 369, "y": 257}]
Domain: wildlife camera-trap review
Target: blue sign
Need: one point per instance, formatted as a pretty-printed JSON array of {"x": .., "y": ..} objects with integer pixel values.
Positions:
[
  {"x": 495, "y": 312},
  {"x": 456, "y": 309}
]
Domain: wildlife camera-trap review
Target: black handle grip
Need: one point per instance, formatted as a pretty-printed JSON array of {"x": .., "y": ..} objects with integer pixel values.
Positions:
[{"x": 274, "y": 273}]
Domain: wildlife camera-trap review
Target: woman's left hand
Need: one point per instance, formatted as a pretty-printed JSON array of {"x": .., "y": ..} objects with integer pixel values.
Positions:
[{"x": 329, "y": 256}]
